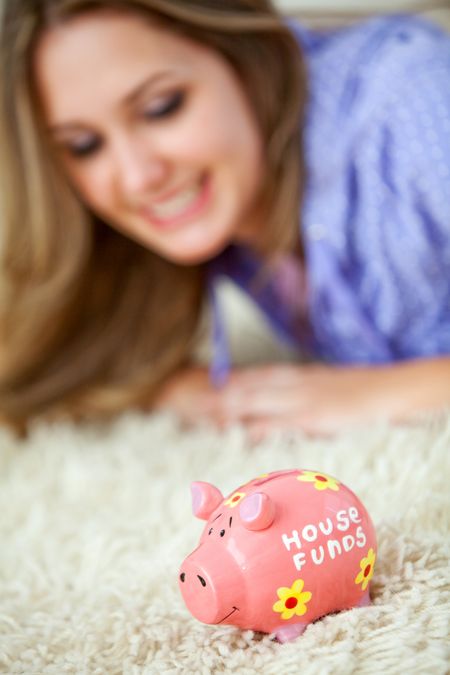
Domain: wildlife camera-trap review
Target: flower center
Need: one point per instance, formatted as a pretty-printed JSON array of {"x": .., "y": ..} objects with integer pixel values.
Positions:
[
  {"x": 367, "y": 570},
  {"x": 322, "y": 478},
  {"x": 291, "y": 603}
]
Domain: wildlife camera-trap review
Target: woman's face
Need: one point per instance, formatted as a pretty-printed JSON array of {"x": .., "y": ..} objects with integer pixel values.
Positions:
[{"x": 154, "y": 131}]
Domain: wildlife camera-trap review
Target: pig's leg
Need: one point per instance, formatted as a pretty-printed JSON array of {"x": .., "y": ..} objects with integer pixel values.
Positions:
[
  {"x": 288, "y": 633},
  {"x": 365, "y": 600}
]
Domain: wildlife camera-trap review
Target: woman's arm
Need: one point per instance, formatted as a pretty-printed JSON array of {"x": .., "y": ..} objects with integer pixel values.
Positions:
[{"x": 318, "y": 399}]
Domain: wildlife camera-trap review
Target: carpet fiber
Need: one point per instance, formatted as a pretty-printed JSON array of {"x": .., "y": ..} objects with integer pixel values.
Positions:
[{"x": 94, "y": 523}]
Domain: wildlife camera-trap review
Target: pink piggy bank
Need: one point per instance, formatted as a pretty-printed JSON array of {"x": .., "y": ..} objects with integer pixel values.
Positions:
[{"x": 278, "y": 553}]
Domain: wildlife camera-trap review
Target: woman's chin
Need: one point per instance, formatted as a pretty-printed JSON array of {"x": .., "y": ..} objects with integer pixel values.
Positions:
[
  {"x": 195, "y": 252},
  {"x": 195, "y": 244},
  {"x": 195, "y": 256}
]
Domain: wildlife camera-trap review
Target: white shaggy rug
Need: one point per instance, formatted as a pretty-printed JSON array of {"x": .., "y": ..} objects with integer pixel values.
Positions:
[{"x": 95, "y": 522}]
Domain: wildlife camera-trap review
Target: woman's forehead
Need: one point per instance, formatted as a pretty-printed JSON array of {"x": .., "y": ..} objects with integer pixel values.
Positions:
[
  {"x": 97, "y": 34},
  {"x": 110, "y": 57}
]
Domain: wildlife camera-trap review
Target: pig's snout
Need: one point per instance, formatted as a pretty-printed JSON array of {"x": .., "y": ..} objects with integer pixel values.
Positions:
[
  {"x": 199, "y": 592},
  {"x": 210, "y": 595}
]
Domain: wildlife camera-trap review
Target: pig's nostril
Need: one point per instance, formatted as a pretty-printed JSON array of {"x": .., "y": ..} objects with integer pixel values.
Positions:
[
  {"x": 182, "y": 576},
  {"x": 202, "y": 581}
]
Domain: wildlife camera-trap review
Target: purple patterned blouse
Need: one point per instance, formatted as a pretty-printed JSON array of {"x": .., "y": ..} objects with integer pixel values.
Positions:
[{"x": 376, "y": 215}]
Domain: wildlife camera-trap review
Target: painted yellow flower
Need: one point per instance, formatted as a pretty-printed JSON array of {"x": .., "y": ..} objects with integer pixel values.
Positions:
[
  {"x": 367, "y": 565},
  {"x": 292, "y": 600},
  {"x": 235, "y": 498},
  {"x": 321, "y": 480}
]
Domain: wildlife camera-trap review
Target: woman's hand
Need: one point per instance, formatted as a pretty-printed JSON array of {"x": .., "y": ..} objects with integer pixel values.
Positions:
[
  {"x": 317, "y": 399},
  {"x": 190, "y": 395}
]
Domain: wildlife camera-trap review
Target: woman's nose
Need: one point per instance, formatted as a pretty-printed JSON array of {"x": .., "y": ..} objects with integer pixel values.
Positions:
[{"x": 140, "y": 169}]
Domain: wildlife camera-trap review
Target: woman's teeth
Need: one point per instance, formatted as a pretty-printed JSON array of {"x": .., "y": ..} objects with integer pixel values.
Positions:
[{"x": 178, "y": 204}]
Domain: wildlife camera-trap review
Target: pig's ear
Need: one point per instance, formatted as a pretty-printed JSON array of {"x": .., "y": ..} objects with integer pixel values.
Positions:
[
  {"x": 257, "y": 511},
  {"x": 205, "y": 498}
]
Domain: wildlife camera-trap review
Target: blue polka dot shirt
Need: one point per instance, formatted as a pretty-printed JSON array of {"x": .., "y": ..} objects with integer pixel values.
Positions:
[{"x": 375, "y": 220}]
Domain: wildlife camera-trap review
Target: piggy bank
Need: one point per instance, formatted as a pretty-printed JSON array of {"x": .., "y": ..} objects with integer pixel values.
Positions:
[{"x": 278, "y": 553}]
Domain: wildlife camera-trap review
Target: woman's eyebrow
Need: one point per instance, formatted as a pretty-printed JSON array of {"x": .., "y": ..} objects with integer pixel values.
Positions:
[
  {"x": 153, "y": 79},
  {"x": 126, "y": 101}
]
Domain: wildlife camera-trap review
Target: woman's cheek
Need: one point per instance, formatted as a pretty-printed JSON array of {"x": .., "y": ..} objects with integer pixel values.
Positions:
[{"x": 94, "y": 186}]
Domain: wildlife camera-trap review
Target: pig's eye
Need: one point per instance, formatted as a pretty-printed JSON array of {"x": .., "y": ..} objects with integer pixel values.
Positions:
[
  {"x": 202, "y": 581},
  {"x": 222, "y": 532},
  {"x": 182, "y": 576},
  {"x": 210, "y": 531}
]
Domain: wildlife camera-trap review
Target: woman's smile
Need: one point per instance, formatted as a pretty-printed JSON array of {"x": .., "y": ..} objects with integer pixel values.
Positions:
[{"x": 180, "y": 206}]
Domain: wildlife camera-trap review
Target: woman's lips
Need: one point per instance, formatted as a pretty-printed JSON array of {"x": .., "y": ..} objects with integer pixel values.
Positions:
[{"x": 181, "y": 207}]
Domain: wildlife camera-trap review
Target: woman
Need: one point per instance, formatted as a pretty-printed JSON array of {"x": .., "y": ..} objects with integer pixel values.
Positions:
[{"x": 151, "y": 146}]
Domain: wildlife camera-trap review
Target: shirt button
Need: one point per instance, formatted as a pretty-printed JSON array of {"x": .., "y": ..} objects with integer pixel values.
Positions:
[{"x": 403, "y": 36}]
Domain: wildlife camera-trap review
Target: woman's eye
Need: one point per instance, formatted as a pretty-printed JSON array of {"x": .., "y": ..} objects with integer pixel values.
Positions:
[
  {"x": 84, "y": 148},
  {"x": 165, "y": 107}
]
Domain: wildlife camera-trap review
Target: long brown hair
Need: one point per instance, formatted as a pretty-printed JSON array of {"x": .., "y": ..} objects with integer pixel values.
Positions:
[{"x": 90, "y": 321}]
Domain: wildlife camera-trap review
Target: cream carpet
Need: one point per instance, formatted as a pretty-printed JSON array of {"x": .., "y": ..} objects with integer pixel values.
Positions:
[{"x": 94, "y": 523}]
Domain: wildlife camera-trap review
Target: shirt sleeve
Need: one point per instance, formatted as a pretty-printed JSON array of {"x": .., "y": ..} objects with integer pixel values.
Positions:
[{"x": 400, "y": 244}]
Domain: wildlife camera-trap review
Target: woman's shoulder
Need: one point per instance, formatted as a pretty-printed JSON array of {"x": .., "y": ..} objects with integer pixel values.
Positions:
[
  {"x": 392, "y": 48},
  {"x": 361, "y": 63},
  {"x": 407, "y": 36},
  {"x": 359, "y": 74}
]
